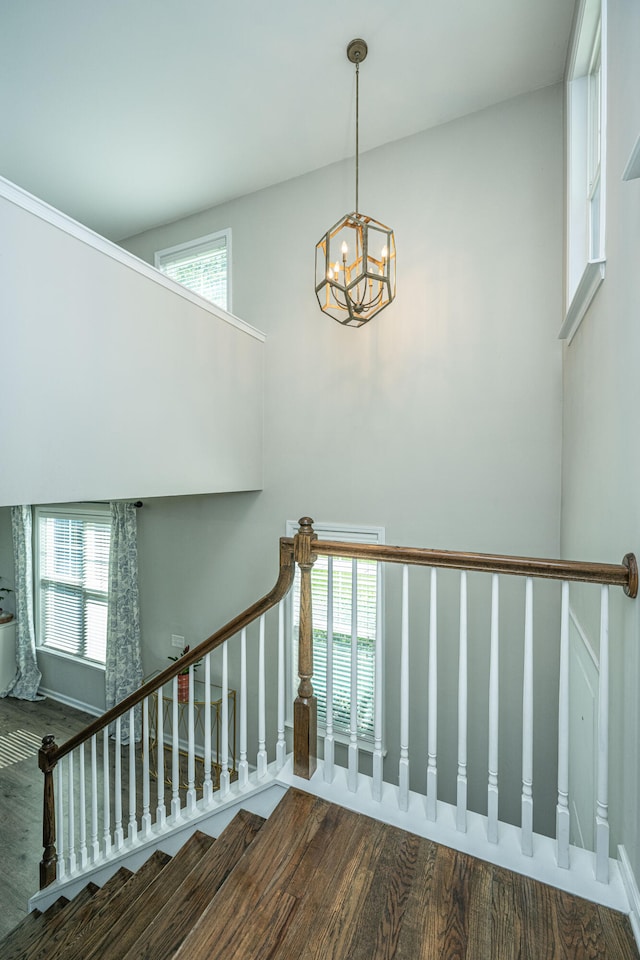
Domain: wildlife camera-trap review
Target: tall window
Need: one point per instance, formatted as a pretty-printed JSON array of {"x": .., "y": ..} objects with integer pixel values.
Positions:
[
  {"x": 361, "y": 623},
  {"x": 72, "y": 580},
  {"x": 586, "y": 161},
  {"x": 202, "y": 265}
]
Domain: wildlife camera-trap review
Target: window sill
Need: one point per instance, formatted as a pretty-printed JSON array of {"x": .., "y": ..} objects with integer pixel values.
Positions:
[
  {"x": 585, "y": 292},
  {"x": 366, "y": 745},
  {"x": 60, "y": 654}
]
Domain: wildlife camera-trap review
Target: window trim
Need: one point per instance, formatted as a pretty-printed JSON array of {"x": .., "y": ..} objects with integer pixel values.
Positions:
[
  {"x": 209, "y": 238},
  {"x": 92, "y": 511},
  {"x": 584, "y": 265},
  {"x": 357, "y": 533}
]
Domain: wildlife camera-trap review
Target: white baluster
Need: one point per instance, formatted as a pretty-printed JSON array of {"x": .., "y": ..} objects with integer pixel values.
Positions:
[
  {"x": 602, "y": 800},
  {"x": 82, "y": 845},
  {"x": 563, "y": 819},
  {"x": 432, "y": 769},
  {"x": 145, "y": 823},
  {"x": 106, "y": 794},
  {"x": 243, "y": 765},
  {"x": 132, "y": 833},
  {"x": 191, "y": 749},
  {"x": 463, "y": 693},
  {"x": 377, "y": 695},
  {"x": 95, "y": 843},
  {"x": 224, "y": 735},
  {"x": 281, "y": 744},
  {"x": 262, "y": 720},
  {"x": 71, "y": 817},
  {"x": 207, "y": 786},
  {"x": 494, "y": 662},
  {"x": 161, "y": 810},
  {"x": 403, "y": 777},
  {"x": 118, "y": 834},
  {"x": 175, "y": 754},
  {"x": 329, "y": 740},
  {"x": 526, "y": 834},
  {"x": 61, "y": 868}
]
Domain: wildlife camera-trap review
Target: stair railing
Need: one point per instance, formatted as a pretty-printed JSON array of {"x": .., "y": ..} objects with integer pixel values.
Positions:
[
  {"x": 97, "y": 835},
  {"x": 625, "y": 575},
  {"x": 86, "y": 846}
]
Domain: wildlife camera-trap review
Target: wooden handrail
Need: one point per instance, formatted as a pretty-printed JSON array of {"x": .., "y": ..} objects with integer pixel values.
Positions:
[
  {"x": 280, "y": 590},
  {"x": 623, "y": 575}
]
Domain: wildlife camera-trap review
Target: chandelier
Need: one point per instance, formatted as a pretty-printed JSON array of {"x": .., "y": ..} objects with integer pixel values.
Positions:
[{"x": 356, "y": 257}]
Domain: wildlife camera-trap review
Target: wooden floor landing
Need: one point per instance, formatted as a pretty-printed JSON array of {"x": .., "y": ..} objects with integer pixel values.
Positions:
[{"x": 322, "y": 882}]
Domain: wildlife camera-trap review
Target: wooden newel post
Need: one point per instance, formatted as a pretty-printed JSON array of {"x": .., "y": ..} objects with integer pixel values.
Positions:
[
  {"x": 305, "y": 714},
  {"x": 47, "y": 763}
]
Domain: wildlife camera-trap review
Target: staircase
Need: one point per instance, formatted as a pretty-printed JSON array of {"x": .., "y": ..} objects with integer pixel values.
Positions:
[
  {"x": 148, "y": 913},
  {"x": 316, "y": 880}
]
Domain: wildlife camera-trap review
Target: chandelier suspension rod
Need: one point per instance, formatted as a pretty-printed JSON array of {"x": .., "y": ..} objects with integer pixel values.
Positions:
[{"x": 357, "y": 126}]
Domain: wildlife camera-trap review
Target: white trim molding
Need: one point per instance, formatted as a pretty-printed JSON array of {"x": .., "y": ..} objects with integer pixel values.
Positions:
[
  {"x": 632, "y": 169},
  {"x": 15, "y": 194},
  {"x": 586, "y": 290},
  {"x": 633, "y": 894}
]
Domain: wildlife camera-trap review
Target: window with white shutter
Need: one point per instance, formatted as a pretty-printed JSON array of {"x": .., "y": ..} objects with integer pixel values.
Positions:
[
  {"x": 586, "y": 142},
  {"x": 72, "y": 580},
  {"x": 368, "y": 590},
  {"x": 202, "y": 265}
]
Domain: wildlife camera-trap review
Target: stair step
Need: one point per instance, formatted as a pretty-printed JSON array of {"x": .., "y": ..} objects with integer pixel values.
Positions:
[
  {"x": 254, "y": 909},
  {"x": 27, "y": 929},
  {"x": 99, "y": 925},
  {"x": 69, "y": 932},
  {"x": 16, "y": 942},
  {"x": 48, "y": 923},
  {"x": 125, "y": 929},
  {"x": 166, "y": 931}
]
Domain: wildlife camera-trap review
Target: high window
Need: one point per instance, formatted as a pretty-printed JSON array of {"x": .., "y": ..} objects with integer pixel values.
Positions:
[
  {"x": 586, "y": 162},
  {"x": 72, "y": 580},
  {"x": 202, "y": 265},
  {"x": 354, "y": 614}
]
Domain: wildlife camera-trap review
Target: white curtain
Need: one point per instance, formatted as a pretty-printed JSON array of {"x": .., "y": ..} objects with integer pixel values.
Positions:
[
  {"x": 123, "y": 665},
  {"x": 25, "y": 684}
]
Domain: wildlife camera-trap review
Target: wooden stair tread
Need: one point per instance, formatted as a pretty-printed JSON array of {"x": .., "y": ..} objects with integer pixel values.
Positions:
[
  {"x": 55, "y": 944},
  {"x": 28, "y": 928},
  {"x": 99, "y": 925},
  {"x": 53, "y": 919},
  {"x": 165, "y": 932},
  {"x": 129, "y": 924}
]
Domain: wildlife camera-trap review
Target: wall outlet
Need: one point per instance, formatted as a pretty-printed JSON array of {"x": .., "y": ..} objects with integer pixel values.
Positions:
[{"x": 177, "y": 641}]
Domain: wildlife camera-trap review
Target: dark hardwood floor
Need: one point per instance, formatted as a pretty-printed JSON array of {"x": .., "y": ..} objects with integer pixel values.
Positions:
[
  {"x": 320, "y": 882},
  {"x": 21, "y": 796}
]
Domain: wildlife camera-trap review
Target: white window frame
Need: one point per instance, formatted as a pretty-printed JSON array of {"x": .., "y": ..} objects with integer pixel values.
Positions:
[
  {"x": 586, "y": 137},
  {"x": 356, "y": 534},
  {"x": 210, "y": 240},
  {"x": 66, "y": 511}
]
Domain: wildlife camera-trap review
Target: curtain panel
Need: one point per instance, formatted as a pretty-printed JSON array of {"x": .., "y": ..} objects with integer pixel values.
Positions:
[
  {"x": 25, "y": 684},
  {"x": 123, "y": 664}
]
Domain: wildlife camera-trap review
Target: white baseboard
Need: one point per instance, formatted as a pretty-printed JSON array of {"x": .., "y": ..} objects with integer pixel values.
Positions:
[
  {"x": 633, "y": 893},
  {"x": 71, "y": 702}
]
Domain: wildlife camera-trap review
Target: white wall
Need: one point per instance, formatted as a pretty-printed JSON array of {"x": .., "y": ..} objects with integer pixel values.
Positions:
[
  {"x": 113, "y": 385},
  {"x": 440, "y": 420},
  {"x": 601, "y": 461}
]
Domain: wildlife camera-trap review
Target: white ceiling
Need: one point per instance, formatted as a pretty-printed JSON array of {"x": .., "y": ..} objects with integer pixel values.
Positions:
[{"x": 127, "y": 114}]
